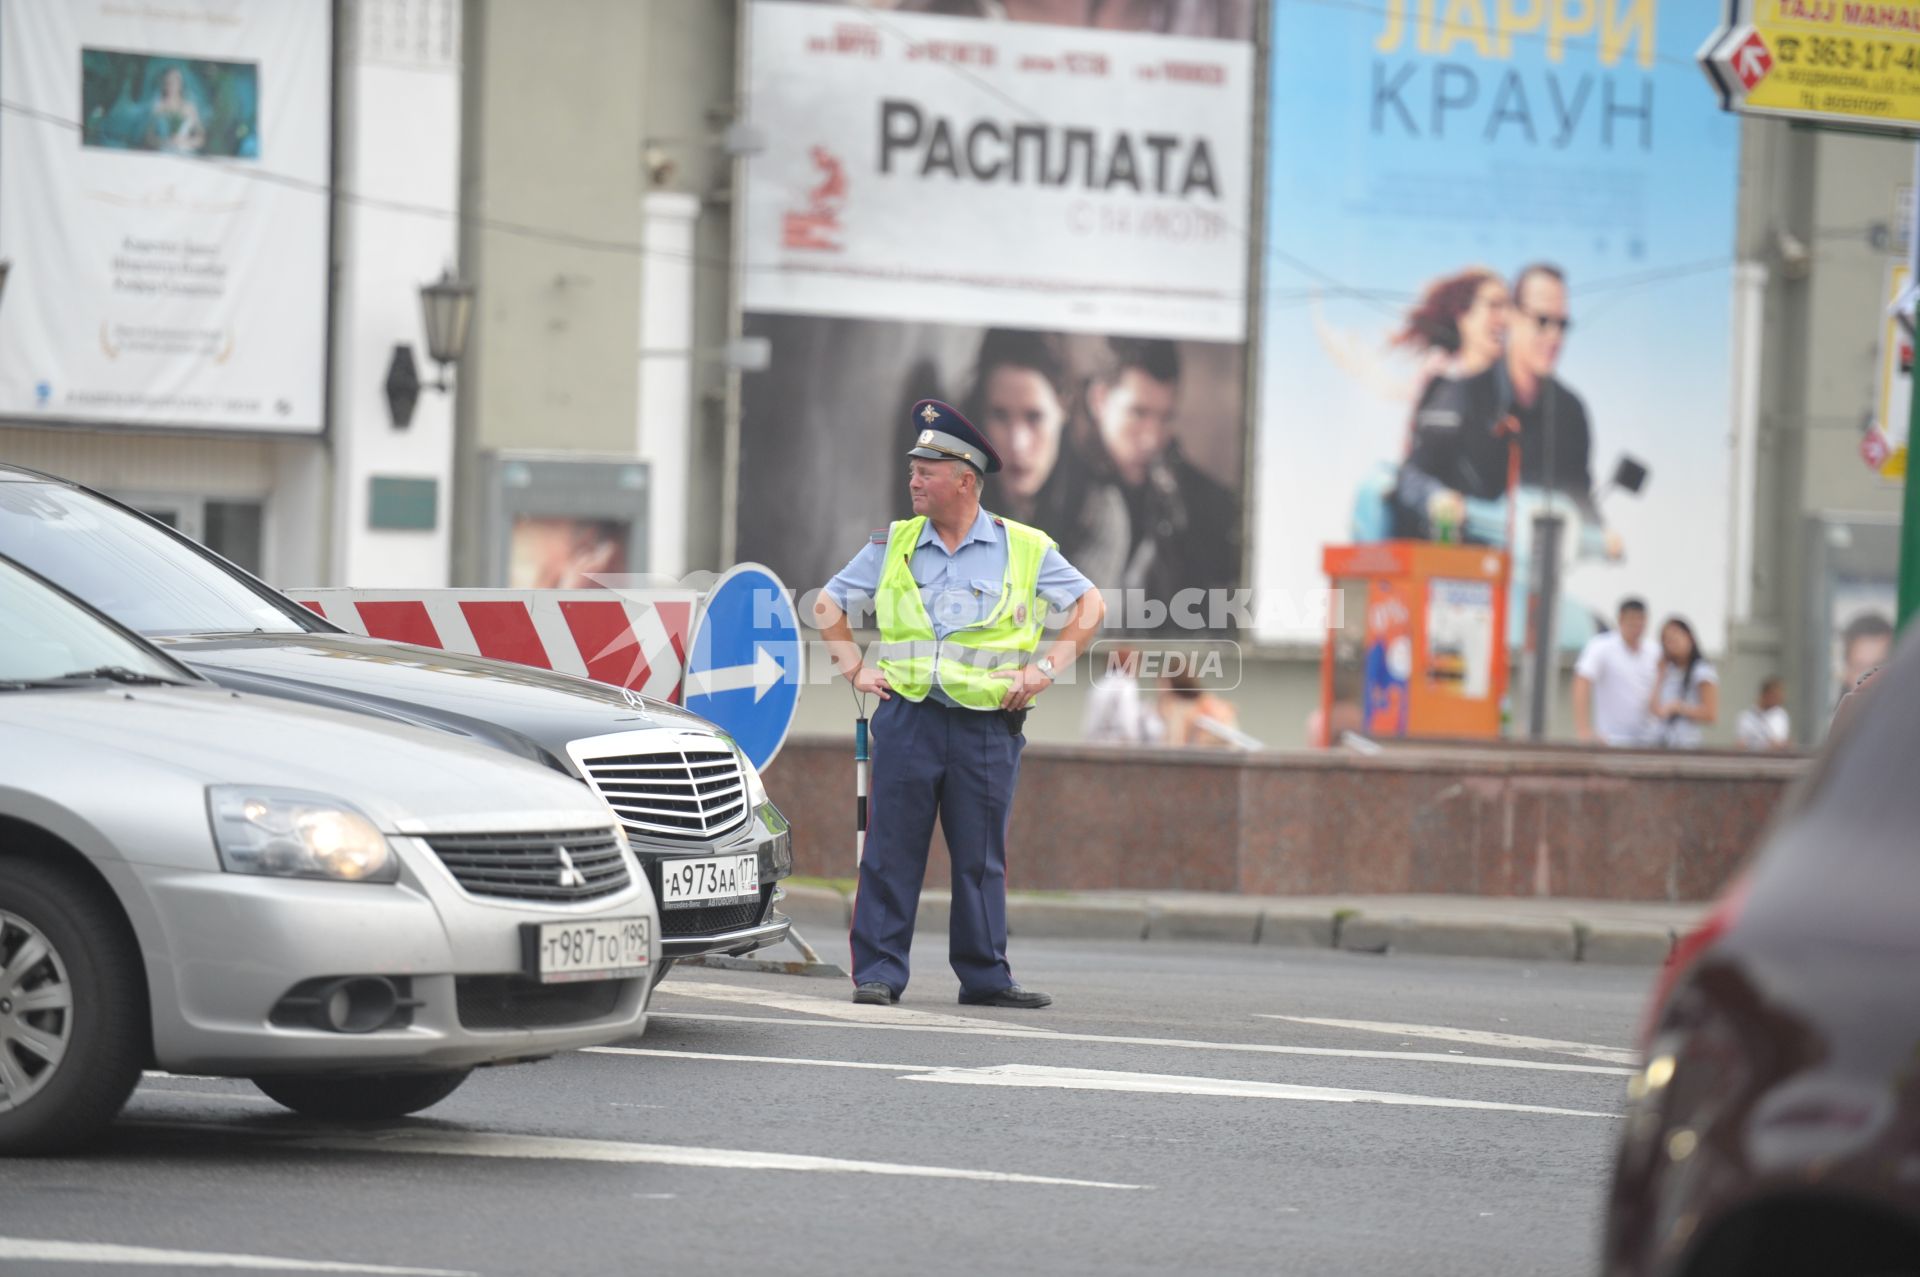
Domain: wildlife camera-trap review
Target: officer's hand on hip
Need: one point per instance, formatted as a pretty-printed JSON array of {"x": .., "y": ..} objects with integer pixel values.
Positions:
[
  {"x": 1025, "y": 683},
  {"x": 871, "y": 680}
]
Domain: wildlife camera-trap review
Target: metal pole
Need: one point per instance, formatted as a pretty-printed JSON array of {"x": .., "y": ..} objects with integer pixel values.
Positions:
[
  {"x": 736, "y": 286},
  {"x": 860, "y": 789},
  {"x": 1910, "y": 500},
  {"x": 1543, "y": 597}
]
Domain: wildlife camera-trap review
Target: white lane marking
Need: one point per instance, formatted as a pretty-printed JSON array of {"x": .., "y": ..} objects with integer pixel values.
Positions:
[
  {"x": 43, "y": 1251},
  {"x": 174, "y": 1092},
  {"x": 1253, "y": 1048},
  {"x": 1037, "y": 1075},
  {"x": 754, "y": 1059},
  {"x": 186, "y": 1077},
  {"x": 828, "y": 1008},
  {"x": 1034, "y": 1075},
  {"x": 1474, "y": 1037},
  {"x": 542, "y": 1148}
]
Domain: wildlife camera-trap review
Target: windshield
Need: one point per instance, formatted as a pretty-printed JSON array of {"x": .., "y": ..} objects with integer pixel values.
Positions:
[
  {"x": 46, "y": 637},
  {"x": 128, "y": 568}
]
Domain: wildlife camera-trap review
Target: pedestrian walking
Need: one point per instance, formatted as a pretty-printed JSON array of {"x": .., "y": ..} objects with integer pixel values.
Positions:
[
  {"x": 1613, "y": 679},
  {"x": 1686, "y": 694},
  {"x": 960, "y": 597},
  {"x": 1764, "y": 725}
]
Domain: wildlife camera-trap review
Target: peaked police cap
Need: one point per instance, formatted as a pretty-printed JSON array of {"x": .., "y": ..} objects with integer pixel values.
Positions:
[{"x": 942, "y": 434}]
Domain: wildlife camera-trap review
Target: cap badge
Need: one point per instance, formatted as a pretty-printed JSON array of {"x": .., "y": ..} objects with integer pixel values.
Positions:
[
  {"x": 926, "y": 436},
  {"x": 929, "y": 414}
]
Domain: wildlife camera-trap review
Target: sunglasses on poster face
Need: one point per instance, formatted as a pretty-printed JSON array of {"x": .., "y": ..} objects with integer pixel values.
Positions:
[{"x": 1550, "y": 322}]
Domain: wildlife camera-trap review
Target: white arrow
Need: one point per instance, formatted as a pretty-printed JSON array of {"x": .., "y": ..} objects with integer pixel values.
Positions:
[
  {"x": 761, "y": 676},
  {"x": 1709, "y": 59},
  {"x": 1750, "y": 62},
  {"x": 1902, "y": 309}
]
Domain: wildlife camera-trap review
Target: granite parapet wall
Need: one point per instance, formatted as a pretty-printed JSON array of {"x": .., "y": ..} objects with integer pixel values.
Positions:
[{"x": 1466, "y": 820}]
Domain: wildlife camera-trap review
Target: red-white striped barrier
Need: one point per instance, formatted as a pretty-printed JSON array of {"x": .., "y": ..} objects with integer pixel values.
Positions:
[{"x": 629, "y": 638}]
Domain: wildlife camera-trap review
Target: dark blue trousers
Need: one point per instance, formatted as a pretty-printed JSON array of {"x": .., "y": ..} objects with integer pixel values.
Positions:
[{"x": 959, "y": 764}]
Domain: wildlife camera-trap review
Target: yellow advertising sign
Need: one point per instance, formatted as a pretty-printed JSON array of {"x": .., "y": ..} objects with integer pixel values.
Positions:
[{"x": 1839, "y": 61}]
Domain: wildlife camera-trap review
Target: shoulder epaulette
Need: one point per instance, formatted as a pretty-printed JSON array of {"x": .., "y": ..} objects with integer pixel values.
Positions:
[{"x": 879, "y": 536}]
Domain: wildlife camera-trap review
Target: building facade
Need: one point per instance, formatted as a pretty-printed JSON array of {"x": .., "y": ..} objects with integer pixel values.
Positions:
[
  {"x": 382, "y": 92},
  {"x": 582, "y": 166}
]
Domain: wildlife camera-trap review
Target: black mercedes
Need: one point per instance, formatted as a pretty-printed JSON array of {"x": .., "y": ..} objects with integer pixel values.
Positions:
[{"x": 694, "y": 809}]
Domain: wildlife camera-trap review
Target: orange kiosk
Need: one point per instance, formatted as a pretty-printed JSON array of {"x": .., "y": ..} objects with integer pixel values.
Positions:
[{"x": 1420, "y": 651}]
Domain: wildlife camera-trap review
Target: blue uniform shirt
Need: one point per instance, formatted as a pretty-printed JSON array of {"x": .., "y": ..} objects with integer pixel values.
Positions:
[{"x": 959, "y": 587}]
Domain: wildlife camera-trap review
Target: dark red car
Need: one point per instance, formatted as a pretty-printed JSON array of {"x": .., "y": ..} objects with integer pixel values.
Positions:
[{"x": 1775, "y": 1126}]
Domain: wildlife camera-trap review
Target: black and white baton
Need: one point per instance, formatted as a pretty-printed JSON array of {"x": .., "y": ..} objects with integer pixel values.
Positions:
[{"x": 860, "y": 786}]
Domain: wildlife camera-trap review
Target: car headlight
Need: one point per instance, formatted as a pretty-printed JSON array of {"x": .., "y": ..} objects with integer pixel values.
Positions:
[
  {"x": 756, "y": 788},
  {"x": 289, "y": 833}
]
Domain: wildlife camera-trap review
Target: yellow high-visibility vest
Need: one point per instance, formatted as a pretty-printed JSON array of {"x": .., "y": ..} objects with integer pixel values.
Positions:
[{"x": 963, "y": 662}]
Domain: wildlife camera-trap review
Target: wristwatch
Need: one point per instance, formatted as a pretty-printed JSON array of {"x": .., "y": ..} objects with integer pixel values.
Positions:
[{"x": 1045, "y": 666}]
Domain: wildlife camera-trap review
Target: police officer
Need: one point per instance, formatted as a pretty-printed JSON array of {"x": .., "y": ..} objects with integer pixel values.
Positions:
[{"x": 960, "y": 597}]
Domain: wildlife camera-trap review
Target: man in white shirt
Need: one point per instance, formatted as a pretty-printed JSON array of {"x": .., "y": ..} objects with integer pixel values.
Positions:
[
  {"x": 1116, "y": 711},
  {"x": 1765, "y": 726},
  {"x": 1613, "y": 682}
]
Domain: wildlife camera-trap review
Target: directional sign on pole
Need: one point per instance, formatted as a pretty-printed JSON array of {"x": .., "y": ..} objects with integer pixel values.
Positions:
[
  {"x": 1721, "y": 88},
  {"x": 1821, "y": 60},
  {"x": 744, "y": 663}
]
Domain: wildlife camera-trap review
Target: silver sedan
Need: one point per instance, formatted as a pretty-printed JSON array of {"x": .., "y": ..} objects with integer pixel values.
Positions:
[{"x": 354, "y": 914}]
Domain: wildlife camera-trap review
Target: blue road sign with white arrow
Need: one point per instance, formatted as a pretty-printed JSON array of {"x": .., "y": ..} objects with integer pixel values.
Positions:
[{"x": 744, "y": 663}]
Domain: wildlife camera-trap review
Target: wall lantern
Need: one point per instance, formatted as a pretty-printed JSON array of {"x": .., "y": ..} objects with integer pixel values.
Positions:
[{"x": 446, "y": 306}]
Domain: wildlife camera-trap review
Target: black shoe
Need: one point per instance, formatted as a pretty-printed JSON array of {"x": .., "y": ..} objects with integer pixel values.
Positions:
[
  {"x": 1011, "y": 996},
  {"x": 873, "y": 993}
]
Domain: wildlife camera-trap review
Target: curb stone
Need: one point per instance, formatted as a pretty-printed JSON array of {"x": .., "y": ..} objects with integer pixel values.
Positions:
[
  {"x": 935, "y": 909},
  {"x": 1232, "y": 920},
  {"x": 818, "y": 900},
  {"x": 1626, "y": 946},
  {"x": 1197, "y": 922},
  {"x": 1460, "y": 938},
  {"x": 1297, "y": 930},
  {"x": 1041, "y": 918}
]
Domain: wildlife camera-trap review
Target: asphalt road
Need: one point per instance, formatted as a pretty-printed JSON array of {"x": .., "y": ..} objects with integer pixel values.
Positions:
[{"x": 1154, "y": 1120}]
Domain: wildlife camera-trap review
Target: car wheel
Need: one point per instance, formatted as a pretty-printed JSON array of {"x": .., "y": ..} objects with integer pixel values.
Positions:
[
  {"x": 73, "y": 1014},
  {"x": 361, "y": 1097}
]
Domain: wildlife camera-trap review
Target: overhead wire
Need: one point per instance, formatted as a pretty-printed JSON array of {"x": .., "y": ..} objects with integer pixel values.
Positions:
[
  {"x": 503, "y": 226},
  {"x": 1327, "y": 284}
]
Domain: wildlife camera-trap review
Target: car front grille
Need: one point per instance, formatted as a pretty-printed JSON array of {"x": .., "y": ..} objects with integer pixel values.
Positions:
[
  {"x": 556, "y": 868},
  {"x": 514, "y": 1002},
  {"x": 676, "y": 794}
]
